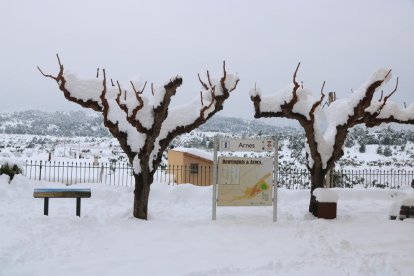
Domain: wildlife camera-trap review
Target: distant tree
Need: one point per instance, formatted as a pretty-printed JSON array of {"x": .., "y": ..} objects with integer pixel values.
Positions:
[
  {"x": 387, "y": 151},
  {"x": 349, "y": 142},
  {"x": 145, "y": 126},
  {"x": 379, "y": 150},
  {"x": 362, "y": 148},
  {"x": 326, "y": 128}
]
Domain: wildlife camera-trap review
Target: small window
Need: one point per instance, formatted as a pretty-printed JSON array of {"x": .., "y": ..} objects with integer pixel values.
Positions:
[{"x": 194, "y": 168}]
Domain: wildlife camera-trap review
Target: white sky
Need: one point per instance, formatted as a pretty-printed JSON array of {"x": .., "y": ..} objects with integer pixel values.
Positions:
[{"x": 341, "y": 42}]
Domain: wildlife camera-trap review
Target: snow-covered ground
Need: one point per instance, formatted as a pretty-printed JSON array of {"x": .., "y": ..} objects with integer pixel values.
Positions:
[{"x": 181, "y": 239}]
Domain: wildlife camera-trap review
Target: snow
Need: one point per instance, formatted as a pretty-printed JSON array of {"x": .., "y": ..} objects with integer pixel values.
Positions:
[
  {"x": 4, "y": 178},
  {"x": 272, "y": 103},
  {"x": 84, "y": 89},
  {"x": 409, "y": 201},
  {"x": 181, "y": 239},
  {"x": 255, "y": 92},
  {"x": 11, "y": 162},
  {"x": 325, "y": 195}
]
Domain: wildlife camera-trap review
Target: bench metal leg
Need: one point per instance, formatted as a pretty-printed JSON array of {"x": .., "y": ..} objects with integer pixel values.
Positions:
[
  {"x": 46, "y": 206},
  {"x": 78, "y": 206}
]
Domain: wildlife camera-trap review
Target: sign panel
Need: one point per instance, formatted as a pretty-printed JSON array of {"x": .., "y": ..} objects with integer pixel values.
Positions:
[
  {"x": 246, "y": 145},
  {"x": 245, "y": 181}
]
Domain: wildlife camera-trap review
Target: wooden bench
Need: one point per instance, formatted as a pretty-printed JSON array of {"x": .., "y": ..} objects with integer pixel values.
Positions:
[{"x": 62, "y": 193}]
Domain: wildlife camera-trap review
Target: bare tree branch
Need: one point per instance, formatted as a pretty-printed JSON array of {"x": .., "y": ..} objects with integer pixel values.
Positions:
[
  {"x": 392, "y": 92},
  {"x": 323, "y": 86},
  {"x": 208, "y": 78},
  {"x": 202, "y": 83},
  {"x": 294, "y": 75},
  {"x": 382, "y": 95},
  {"x": 140, "y": 91},
  {"x": 316, "y": 104},
  {"x": 48, "y": 76}
]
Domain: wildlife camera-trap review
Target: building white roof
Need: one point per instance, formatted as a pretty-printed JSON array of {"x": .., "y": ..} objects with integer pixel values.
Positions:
[{"x": 197, "y": 152}]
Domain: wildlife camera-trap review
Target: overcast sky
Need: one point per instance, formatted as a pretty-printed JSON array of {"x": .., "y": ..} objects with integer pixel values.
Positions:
[{"x": 340, "y": 42}]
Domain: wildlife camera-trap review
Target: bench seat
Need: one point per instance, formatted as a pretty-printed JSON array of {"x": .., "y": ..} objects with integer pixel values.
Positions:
[
  {"x": 62, "y": 193},
  {"x": 47, "y": 193}
]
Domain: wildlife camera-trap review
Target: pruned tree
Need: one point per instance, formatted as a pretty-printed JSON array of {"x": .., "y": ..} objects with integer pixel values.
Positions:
[
  {"x": 326, "y": 127},
  {"x": 145, "y": 125}
]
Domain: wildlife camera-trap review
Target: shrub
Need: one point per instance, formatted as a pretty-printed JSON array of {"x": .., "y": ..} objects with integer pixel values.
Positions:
[{"x": 10, "y": 170}]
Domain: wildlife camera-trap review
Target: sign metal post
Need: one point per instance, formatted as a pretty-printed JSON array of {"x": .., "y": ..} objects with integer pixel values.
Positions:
[
  {"x": 275, "y": 178},
  {"x": 215, "y": 145}
]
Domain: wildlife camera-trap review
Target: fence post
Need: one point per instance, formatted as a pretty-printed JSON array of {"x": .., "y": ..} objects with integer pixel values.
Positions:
[{"x": 40, "y": 170}]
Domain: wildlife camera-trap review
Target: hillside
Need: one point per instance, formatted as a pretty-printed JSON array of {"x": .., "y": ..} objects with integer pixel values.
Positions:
[
  {"x": 67, "y": 124},
  {"x": 81, "y": 123}
]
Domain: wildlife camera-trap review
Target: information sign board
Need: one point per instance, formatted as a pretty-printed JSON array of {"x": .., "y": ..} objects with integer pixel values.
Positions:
[{"x": 245, "y": 181}]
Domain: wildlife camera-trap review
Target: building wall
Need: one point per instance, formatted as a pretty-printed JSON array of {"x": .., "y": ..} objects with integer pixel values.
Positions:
[{"x": 183, "y": 166}]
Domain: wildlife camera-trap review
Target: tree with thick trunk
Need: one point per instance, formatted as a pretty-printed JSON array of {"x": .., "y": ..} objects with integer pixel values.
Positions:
[
  {"x": 145, "y": 126},
  {"x": 326, "y": 127}
]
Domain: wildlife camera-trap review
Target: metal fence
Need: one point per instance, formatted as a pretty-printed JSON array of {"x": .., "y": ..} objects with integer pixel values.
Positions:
[
  {"x": 120, "y": 174},
  {"x": 393, "y": 179}
]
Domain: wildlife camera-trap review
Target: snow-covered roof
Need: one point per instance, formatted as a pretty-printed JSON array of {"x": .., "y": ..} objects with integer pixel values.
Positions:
[{"x": 196, "y": 152}]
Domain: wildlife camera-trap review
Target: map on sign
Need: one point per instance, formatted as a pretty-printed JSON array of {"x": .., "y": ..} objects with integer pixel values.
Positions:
[{"x": 245, "y": 181}]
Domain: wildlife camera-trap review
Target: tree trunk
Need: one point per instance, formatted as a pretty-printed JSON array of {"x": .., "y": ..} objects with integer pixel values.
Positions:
[
  {"x": 143, "y": 182},
  {"x": 317, "y": 181}
]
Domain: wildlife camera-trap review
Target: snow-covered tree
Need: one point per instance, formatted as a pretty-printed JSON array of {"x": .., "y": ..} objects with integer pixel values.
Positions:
[
  {"x": 326, "y": 128},
  {"x": 145, "y": 124}
]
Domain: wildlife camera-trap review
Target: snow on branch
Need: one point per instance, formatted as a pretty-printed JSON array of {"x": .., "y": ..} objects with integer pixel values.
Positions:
[{"x": 85, "y": 93}]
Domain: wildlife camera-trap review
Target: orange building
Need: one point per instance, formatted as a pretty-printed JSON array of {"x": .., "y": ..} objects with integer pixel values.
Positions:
[{"x": 191, "y": 166}]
